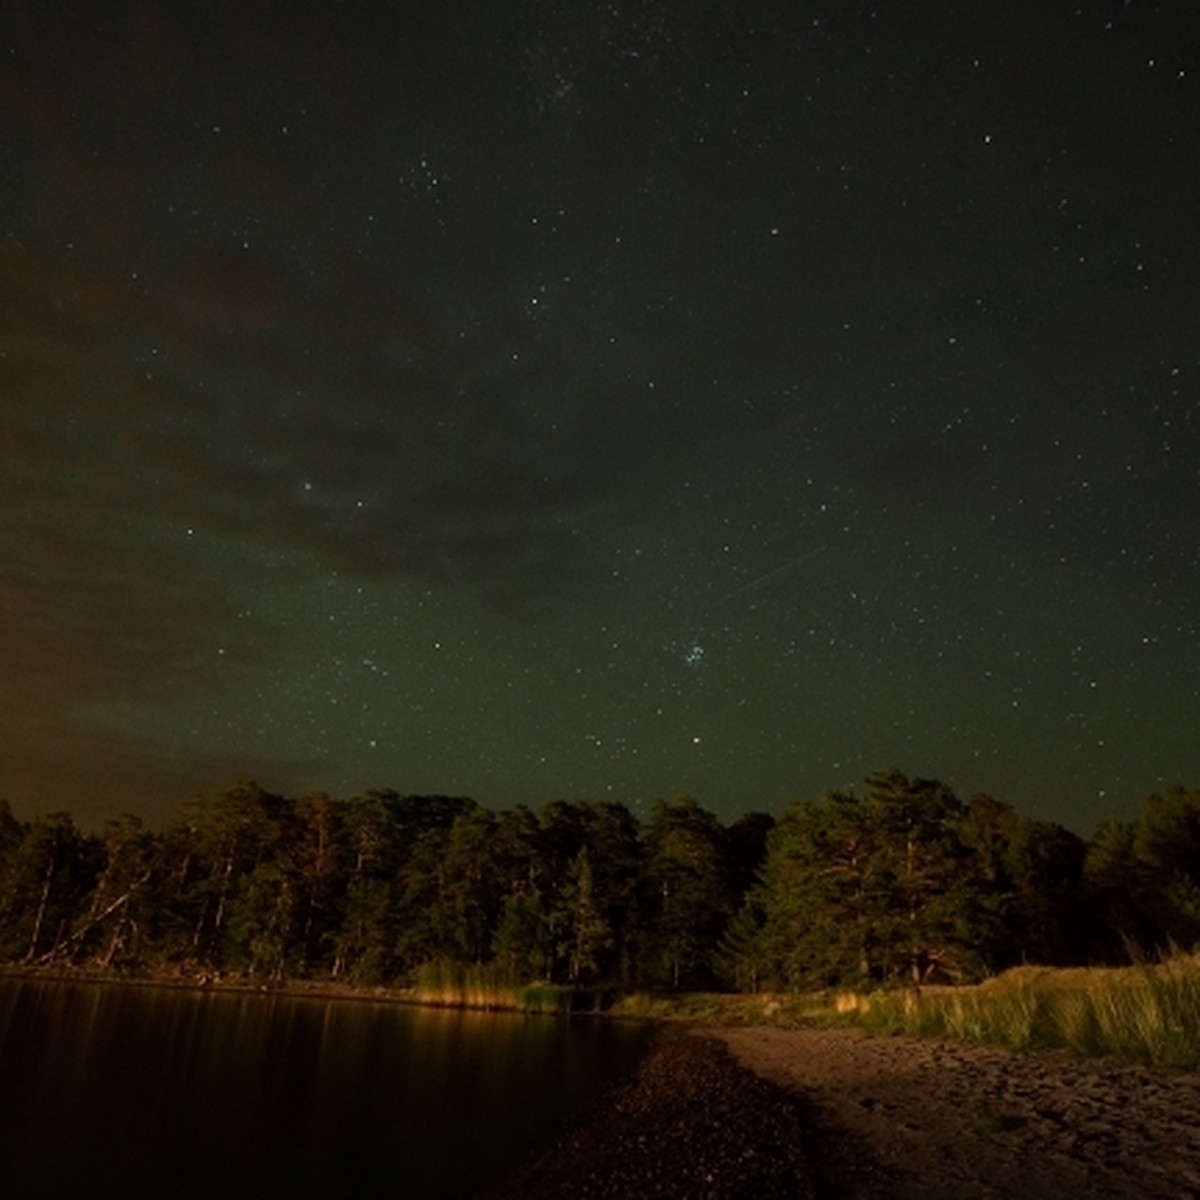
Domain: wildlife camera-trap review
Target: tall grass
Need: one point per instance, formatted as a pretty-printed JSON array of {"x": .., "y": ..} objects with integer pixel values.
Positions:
[
  {"x": 463, "y": 985},
  {"x": 786, "y": 1010},
  {"x": 1148, "y": 1013}
]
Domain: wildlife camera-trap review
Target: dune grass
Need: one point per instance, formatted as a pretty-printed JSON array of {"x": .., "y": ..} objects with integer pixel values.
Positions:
[{"x": 1148, "y": 1013}]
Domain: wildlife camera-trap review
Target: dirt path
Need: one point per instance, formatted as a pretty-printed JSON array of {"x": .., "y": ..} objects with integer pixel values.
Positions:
[{"x": 920, "y": 1120}]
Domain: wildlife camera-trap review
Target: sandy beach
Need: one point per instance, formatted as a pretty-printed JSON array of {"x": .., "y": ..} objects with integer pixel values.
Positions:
[{"x": 765, "y": 1112}]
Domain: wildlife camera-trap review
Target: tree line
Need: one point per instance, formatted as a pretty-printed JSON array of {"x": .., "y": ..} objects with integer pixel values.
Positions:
[{"x": 902, "y": 881}]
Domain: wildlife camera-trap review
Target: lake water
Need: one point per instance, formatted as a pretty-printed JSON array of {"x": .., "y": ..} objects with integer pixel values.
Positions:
[{"x": 140, "y": 1091}]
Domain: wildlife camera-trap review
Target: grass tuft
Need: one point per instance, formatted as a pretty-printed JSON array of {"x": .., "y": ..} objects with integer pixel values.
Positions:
[
  {"x": 464, "y": 985},
  {"x": 460, "y": 985},
  {"x": 1148, "y": 1013}
]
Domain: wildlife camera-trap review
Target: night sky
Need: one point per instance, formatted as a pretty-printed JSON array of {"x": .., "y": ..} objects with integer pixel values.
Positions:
[{"x": 554, "y": 399}]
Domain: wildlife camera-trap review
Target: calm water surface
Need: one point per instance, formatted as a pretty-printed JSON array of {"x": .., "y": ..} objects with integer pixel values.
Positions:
[{"x": 139, "y": 1091}]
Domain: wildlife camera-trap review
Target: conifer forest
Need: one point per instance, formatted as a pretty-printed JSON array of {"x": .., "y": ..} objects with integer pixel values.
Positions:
[{"x": 900, "y": 882}]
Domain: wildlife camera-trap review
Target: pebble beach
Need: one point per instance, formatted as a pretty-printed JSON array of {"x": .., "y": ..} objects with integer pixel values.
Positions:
[{"x": 723, "y": 1113}]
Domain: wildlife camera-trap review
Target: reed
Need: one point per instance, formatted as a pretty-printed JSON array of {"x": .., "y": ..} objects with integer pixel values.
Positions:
[
  {"x": 1148, "y": 1013},
  {"x": 447, "y": 984},
  {"x": 464, "y": 985}
]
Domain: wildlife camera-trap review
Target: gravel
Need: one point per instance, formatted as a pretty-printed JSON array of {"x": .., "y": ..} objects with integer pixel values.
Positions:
[{"x": 691, "y": 1124}]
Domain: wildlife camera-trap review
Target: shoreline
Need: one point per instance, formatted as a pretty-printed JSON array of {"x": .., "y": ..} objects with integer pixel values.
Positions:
[
  {"x": 297, "y": 988},
  {"x": 609, "y": 1003},
  {"x": 837, "y": 1114},
  {"x": 724, "y": 1110},
  {"x": 691, "y": 1122}
]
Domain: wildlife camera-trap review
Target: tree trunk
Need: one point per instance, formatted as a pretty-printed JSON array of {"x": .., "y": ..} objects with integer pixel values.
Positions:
[
  {"x": 219, "y": 918},
  {"x": 41, "y": 911}
]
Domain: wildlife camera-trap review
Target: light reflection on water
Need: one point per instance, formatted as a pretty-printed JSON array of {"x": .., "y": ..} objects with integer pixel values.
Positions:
[{"x": 150, "y": 1091}]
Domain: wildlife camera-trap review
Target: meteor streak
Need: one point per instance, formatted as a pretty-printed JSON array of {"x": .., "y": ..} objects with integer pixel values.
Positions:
[{"x": 787, "y": 566}]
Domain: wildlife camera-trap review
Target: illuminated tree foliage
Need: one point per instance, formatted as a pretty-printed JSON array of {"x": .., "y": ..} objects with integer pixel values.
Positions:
[
  {"x": 901, "y": 883},
  {"x": 905, "y": 883}
]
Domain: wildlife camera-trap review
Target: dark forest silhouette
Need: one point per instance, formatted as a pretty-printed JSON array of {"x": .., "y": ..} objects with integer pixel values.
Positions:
[{"x": 902, "y": 882}]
